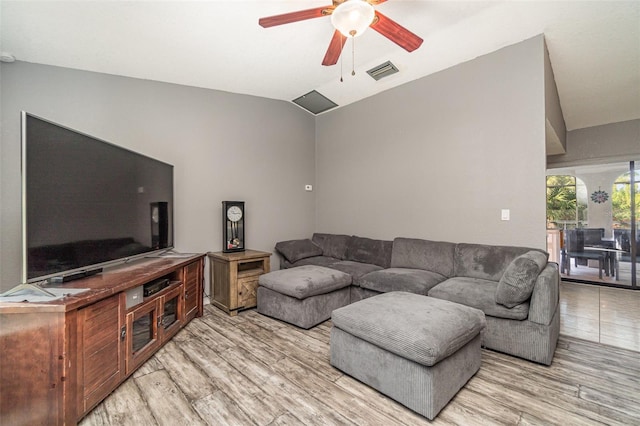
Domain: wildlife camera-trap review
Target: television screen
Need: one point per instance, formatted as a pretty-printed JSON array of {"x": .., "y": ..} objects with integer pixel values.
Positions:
[{"x": 88, "y": 203}]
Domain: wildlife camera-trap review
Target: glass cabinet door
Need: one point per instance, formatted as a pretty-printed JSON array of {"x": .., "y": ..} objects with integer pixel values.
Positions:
[
  {"x": 142, "y": 333},
  {"x": 172, "y": 312}
]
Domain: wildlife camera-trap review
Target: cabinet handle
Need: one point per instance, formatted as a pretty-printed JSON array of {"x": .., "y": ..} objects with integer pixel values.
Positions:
[{"x": 123, "y": 332}]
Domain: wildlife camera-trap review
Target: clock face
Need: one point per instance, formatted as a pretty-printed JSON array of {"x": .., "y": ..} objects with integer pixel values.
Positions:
[{"x": 234, "y": 213}]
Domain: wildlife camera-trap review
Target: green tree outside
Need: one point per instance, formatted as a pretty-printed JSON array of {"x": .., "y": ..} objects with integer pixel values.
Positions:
[
  {"x": 564, "y": 209},
  {"x": 621, "y": 200}
]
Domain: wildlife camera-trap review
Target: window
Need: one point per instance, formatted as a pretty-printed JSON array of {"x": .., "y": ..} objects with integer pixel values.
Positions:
[
  {"x": 621, "y": 200},
  {"x": 566, "y": 202}
]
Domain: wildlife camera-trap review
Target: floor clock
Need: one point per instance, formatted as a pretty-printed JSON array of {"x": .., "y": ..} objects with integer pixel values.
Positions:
[{"x": 233, "y": 226}]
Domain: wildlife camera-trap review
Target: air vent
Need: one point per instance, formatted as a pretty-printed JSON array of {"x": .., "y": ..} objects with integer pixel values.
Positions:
[
  {"x": 382, "y": 70},
  {"x": 314, "y": 102}
]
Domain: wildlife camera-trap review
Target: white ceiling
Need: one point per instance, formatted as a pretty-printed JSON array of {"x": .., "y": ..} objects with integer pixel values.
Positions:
[{"x": 594, "y": 46}]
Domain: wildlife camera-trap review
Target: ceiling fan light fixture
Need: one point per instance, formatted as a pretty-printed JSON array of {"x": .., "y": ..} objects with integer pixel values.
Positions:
[{"x": 352, "y": 17}]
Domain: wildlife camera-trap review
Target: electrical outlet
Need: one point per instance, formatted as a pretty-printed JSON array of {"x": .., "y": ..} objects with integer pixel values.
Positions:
[{"x": 308, "y": 188}]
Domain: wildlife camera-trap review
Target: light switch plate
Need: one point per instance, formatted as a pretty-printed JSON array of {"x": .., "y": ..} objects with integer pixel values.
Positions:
[{"x": 505, "y": 214}]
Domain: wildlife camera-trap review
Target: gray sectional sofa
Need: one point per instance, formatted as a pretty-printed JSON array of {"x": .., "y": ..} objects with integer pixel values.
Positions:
[{"x": 516, "y": 287}]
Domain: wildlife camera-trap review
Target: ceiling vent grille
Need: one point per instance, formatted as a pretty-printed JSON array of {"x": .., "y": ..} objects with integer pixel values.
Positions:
[
  {"x": 382, "y": 70},
  {"x": 315, "y": 102}
]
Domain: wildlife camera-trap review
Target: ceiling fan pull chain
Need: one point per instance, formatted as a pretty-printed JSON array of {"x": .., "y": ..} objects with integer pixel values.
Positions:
[
  {"x": 353, "y": 56},
  {"x": 341, "y": 69}
]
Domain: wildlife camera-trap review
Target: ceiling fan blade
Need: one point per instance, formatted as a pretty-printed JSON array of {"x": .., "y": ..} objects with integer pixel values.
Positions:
[
  {"x": 396, "y": 32},
  {"x": 335, "y": 49},
  {"x": 301, "y": 15}
]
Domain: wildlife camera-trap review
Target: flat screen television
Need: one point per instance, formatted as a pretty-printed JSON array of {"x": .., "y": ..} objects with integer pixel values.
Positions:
[{"x": 88, "y": 203}]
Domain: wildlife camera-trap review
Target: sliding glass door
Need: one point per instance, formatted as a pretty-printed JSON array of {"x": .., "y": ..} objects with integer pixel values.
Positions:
[
  {"x": 625, "y": 203},
  {"x": 592, "y": 223}
]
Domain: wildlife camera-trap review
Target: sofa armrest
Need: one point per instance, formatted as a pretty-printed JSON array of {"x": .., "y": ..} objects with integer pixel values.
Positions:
[{"x": 545, "y": 296}]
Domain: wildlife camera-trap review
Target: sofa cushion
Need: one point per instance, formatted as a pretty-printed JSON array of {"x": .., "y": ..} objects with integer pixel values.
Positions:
[
  {"x": 516, "y": 285},
  {"x": 479, "y": 294},
  {"x": 294, "y": 250},
  {"x": 366, "y": 250},
  {"x": 333, "y": 245},
  {"x": 305, "y": 281},
  {"x": 484, "y": 261},
  {"x": 355, "y": 269},
  {"x": 416, "y": 281},
  {"x": 315, "y": 260},
  {"x": 419, "y": 328},
  {"x": 436, "y": 256}
]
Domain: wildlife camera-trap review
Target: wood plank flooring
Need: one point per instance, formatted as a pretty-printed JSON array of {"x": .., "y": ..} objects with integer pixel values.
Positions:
[{"x": 253, "y": 370}]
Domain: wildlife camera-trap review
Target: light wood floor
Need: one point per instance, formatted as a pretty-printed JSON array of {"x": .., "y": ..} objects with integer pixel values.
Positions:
[{"x": 253, "y": 370}]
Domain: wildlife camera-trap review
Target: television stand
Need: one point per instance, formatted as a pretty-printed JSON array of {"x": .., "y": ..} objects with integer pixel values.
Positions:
[{"x": 59, "y": 359}]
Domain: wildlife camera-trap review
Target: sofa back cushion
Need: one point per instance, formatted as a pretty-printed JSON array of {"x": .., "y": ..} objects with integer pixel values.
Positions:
[
  {"x": 332, "y": 245},
  {"x": 485, "y": 261},
  {"x": 366, "y": 250},
  {"x": 434, "y": 256}
]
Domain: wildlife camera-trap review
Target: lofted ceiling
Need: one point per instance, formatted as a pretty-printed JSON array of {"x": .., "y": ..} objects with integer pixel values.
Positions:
[{"x": 594, "y": 46}]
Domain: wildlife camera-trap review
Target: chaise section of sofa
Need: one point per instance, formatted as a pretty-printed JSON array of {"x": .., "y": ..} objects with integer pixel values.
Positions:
[
  {"x": 528, "y": 329},
  {"x": 516, "y": 287}
]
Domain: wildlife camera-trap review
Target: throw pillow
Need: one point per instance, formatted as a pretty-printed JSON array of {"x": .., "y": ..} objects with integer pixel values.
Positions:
[
  {"x": 294, "y": 250},
  {"x": 516, "y": 285}
]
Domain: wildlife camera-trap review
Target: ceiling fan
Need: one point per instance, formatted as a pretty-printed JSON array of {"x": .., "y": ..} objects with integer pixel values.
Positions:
[{"x": 350, "y": 18}]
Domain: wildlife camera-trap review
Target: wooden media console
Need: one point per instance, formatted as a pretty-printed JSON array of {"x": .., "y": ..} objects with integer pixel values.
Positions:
[{"x": 60, "y": 359}]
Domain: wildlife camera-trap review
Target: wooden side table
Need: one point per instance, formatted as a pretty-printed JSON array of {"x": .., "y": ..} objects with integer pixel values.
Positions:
[{"x": 234, "y": 278}]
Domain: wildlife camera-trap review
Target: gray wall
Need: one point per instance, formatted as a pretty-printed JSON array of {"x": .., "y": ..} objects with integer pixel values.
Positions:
[
  {"x": 223, "y": 146},
  {"x": 609, "y": 143},
  {"x": 553, "y": 111},
  {"x": 439, "y": 158}
]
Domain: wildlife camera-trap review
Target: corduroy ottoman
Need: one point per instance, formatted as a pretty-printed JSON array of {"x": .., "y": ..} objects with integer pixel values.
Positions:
[
  {"x": 418, "y": 350},
  {"x": 304, "y": 296}
]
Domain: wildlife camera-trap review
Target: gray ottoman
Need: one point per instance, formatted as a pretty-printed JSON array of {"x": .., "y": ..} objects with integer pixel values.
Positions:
[
  {"x": 304, "y": 296},
  {"x": 415, "y": 349}
]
